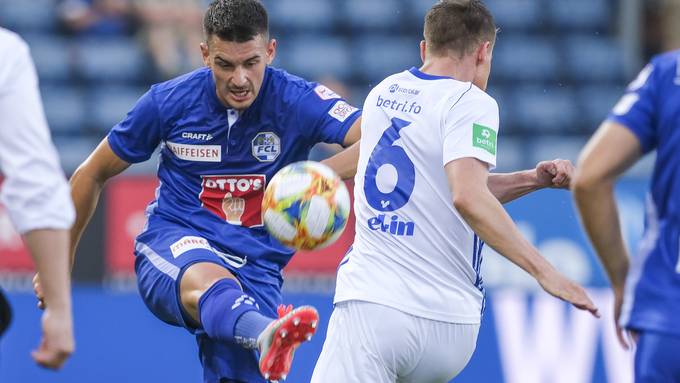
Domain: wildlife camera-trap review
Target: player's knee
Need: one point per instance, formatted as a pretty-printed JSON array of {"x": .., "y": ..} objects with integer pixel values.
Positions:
[{"x": 198, "y": 279}]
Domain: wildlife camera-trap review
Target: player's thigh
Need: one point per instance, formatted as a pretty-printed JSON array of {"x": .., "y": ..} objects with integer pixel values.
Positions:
[
  {"x": 657, "y": 358},
  {"x": 365, "y": 342},
  {"x": 159, "y": 273},
  {"x": 446, "y": 352},
  {"x": 196, "y": 279}
]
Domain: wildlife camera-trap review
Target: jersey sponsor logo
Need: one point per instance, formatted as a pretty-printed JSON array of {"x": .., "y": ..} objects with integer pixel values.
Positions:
[
  {"x": 392, "y": 225},
  {"x": 395, "y": 88},
  {"x": 400, "y": 106},
  {"x": 197, "y": 136},
  {"x": 200, "y": 153},
  {"x": 341, "y": 111},
  {"x": 237, "y": 199},
  {"x": 325, "y": 93},
  {"x": 266, "y": 146},
  {"x": 187, "y": 243},
  {"x": 484, "y": 138}
]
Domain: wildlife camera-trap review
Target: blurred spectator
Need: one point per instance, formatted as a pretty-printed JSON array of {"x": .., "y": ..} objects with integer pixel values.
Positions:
[
  {"x": 652, "y": 30},
  {"x": 671, "y": 16},
  {"x": 173, "y": 32},
  {"x": 661, "y": 30},
  {"x": 97, "y": 17}
]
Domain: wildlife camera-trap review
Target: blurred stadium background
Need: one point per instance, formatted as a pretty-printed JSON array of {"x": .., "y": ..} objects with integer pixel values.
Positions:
[{"x": 559, "y": 66}]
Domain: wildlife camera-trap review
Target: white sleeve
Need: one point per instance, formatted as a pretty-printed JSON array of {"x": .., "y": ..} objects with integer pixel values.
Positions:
[
  {"x": 471, "y": 128},
  {"x": 34, "y": 191}
]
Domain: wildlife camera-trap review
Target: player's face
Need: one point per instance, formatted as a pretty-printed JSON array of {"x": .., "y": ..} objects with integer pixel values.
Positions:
[
  {"x": 483, "y": 68},
  {"x": 238, "y": 68}
]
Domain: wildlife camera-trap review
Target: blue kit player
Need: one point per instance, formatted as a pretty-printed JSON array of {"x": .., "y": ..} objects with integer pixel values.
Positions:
[
  {"x": 647, "y": 293},
  {"x": 204, "y": 260}
]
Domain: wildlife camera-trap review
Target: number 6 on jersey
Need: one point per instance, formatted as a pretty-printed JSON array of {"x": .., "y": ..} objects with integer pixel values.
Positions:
[{"x": 387, "y": 153}]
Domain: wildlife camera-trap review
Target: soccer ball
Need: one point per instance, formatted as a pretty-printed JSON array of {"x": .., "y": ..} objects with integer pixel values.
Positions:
[{"x": 306, "y": 206}]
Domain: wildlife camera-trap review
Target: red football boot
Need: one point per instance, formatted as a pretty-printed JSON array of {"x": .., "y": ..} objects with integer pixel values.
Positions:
[{"x": 278, "y": 341}]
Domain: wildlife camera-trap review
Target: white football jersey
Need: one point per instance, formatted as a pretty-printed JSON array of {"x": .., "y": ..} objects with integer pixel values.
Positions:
[
  {"x": 35, "y": 191},
  {"x": 413, "y": 251}
]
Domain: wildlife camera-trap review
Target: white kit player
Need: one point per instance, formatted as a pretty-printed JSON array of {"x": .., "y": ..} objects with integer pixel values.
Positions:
[
  {"x": 36, "y": 196},
  {"x": 409, "y": 294}
]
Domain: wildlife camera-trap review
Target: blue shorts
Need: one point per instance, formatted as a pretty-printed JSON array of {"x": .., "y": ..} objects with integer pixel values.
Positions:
[
  {"x": 657, "y": 359},
  {"x": 162, "y": 255}
]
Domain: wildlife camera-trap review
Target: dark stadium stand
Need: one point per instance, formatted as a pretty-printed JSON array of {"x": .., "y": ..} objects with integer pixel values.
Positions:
[{"x": 558, "y": 65}]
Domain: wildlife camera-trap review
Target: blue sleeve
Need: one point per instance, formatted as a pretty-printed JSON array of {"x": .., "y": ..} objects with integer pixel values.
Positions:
[
  {"x": 637, "y": 108},
  {"x": 323, "y": 116},
  {"x": 136, "y": 137}
]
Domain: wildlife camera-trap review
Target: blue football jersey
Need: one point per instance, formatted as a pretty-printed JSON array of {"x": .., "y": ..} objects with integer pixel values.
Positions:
[
  {"x": 651, "y": 110},
  {"x": 215, "y": 162}
]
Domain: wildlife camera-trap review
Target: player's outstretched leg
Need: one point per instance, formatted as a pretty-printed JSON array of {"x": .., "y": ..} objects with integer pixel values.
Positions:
[
  {"x": 278, "y": 341},
  {"x": 228, "y": 314}
]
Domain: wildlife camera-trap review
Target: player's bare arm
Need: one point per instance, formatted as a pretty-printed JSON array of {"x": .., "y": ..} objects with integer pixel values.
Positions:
[
  {"x": 483, "y": 212},
  {"x": 345, "y": 162},
  {"x": 611, "y": 151},
  {"x": 555, "y": 174},
  {"x": 57, "y": 342},
  {"x": 87, "y": 183}
]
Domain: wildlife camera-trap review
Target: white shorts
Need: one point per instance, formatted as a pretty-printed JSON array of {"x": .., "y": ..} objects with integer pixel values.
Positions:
[{"x": 372, "y": 343}]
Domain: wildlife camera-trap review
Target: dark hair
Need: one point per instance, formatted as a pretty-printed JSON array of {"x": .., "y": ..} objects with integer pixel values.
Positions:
[
  {"x": 235, "y": 20},
  {"x": 458, "y": 26}
]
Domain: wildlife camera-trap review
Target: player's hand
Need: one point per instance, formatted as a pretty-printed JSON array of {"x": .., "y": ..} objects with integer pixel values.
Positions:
[
  {"x": 37, "y": 289},
  {"x": 57, "y": 342},
  {"x": 555, "y": 174},
  {"x": 233, "y": 208},
  {"x": 560, "y": 287}
]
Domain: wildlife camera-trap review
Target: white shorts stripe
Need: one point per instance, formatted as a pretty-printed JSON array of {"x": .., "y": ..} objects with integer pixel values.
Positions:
[{"x": 161, "y": 264}]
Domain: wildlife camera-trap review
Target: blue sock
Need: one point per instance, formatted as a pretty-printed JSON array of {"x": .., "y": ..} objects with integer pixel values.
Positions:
[
  {"x": 249, "y": 326},
  {"x": 222, "y": 306}
]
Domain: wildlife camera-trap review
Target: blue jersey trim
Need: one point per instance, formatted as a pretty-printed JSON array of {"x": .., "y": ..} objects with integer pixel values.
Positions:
[{"x": 424, "y": 76}]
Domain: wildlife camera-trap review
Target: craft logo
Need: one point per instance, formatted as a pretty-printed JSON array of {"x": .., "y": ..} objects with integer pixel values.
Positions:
[{"x": 197, "y": 136}]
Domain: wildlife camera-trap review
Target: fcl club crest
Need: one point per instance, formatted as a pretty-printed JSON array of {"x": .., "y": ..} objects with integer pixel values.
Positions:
[{"x": 266, "y": 146}]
